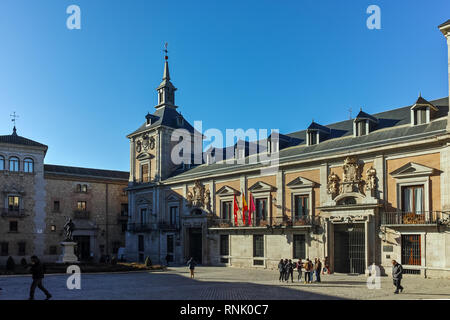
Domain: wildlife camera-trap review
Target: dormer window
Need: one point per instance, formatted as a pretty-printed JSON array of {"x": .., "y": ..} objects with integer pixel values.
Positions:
[
  {"x": 316, "y": 133},
  {"x": 420, "y": 116},
  {"x": 363, "y": 124},
  {"x": 422, "y": 112},
  {"x": 312, "y": 137},
  {"x": 361, "y": 128}
]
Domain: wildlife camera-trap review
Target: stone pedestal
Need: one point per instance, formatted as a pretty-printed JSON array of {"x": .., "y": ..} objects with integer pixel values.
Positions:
[{"x": 68, "y": 252}]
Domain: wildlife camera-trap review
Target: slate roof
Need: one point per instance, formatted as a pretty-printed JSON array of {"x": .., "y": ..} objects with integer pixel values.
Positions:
[
  {"x": 76, "y": 171},
  {"x": 165, "y": 116},
  {"x": 393, "y": 127},
  {"x": 16, "y": 139}
]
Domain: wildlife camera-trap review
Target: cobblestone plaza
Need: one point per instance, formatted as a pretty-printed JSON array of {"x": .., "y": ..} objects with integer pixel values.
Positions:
[{"x": 220, "y": 283}]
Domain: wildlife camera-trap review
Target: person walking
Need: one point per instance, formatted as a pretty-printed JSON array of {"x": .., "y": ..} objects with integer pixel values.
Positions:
[
  {"x": 281, "y": 270},
  {"x": 397, "y": 271},
  {"x": 37, "y": 271},
  {"x": 290, "y": 271},
  {"x": 191, "y": 263},
  {"x": 326, "y": 268},
  {"x": 317, "y": 269},
  {"x": 299, "y": 269}
]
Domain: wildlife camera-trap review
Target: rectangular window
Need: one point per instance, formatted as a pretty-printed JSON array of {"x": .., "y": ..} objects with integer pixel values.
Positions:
[
  {"x": 53, "y": 250},
  {"x": 312, "y": 137},
  {"x": 13, "y": 203},
  {"x": 301, "y": 206},
  {"x": 141, "y": 243},
  {"x": 173, "y": 212},
  {"x": 261, "y": 209},
  {"x": 226, "y": 210},
  {"x": 13, "y": 226},
  {"x": 143, "y": 216},
  {"x": 258, "y": 245},
  {"x": 22, "y": 248},
  {"x": 299, "y": 246},
  {"x": 411, "y": 250},
  {"x": 361, "y": 128},
  {"x": 124, "y": 209},
  {"x": 81, "y": 205},
  {"x": 144, "y": 172},
  {"x": 4, "y": 249},
  {"x": 14, "y": 164},
  {"x": 56, "y": 207},
  {"x": 224, "y": 245},
  {"x": 420, "y": 116},
  {"x": 413, "y": 199},
  {"x": 170, "y": 244}
]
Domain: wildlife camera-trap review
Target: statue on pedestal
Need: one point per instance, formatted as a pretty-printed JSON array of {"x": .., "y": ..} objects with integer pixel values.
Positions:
[{"x": 69, "y": 227}]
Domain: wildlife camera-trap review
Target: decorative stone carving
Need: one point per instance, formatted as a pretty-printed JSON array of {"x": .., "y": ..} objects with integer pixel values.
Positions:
[
  {"x": 371, "y": 180},
  {"x": 152, "y": 143},
  {"x": 333, "y": 185},
  {"x": 352, "y": 176},
  {"x": 139, "y": 146},
  {"x": 199, "y": 197},
  {"x": 208, "y": 200}
]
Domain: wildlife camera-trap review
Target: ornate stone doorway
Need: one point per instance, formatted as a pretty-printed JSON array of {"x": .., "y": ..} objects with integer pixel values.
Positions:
[
  {"x": 349, "y": 248},
  {"x": 195, "y": 244}
]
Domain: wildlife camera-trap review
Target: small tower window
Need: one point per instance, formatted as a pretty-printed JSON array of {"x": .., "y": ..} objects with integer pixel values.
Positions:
[
  {"x": 361, "y": 128},
  {"x": 312, "y": 137},
  {"x": 28, "y": 165},
  {"x": 14, "y": 164},
  {"x": 420, "y": 116}
]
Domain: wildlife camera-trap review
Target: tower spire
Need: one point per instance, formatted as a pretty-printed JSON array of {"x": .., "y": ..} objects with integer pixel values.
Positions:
[{"x": 166, "y": 90}]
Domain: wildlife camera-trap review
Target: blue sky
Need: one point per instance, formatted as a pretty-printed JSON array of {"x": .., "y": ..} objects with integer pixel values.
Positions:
[{"x": 236, "y": 64}]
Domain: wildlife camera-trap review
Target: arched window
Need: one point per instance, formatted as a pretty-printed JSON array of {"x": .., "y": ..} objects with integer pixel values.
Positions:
[
  {"x": 2, "y": 163},
  {"x": 347, "y": 201},
  {"x": 14, "y": 164},
  {"x": 28, "y": 165}
]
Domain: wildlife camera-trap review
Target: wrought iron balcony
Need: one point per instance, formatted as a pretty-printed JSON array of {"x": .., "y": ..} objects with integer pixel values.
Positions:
[
  {"x": 296, "y": 221},
  {"x": 142, "y": 227},
  {"x": 81, "y": 214},
  {"x": 13, "y": 213},
  {"x": 258, "y": 222},
  {"x": 168, "y": 226},
  {"x": 414, "y": 218}
]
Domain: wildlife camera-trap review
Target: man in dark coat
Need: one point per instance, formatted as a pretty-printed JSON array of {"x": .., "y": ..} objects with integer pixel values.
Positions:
[
  {"x": 397, "y": 271},
  {"x": 289, "y": 271},
  {"x": 37, "y": 271}
]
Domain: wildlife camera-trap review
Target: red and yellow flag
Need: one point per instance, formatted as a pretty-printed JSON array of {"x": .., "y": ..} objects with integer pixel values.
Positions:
[
  {"x": 244, "y": 208},
  {"x": 235, "y": 211}
]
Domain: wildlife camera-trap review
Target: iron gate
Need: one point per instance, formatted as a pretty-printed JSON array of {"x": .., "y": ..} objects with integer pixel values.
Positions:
[{"x": 349, "y": 249}]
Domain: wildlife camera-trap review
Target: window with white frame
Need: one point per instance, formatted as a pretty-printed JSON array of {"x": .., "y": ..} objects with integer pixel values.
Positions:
[
  {"x": 14, "y": 164},
  {"x": 28, "y": 165}
]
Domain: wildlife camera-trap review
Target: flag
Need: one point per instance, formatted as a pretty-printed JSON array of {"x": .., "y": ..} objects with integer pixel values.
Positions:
[
  {"x": 235, "y": 209},
  {"x": 244, "y": 208},
  {"x": 251, "y": 210}
]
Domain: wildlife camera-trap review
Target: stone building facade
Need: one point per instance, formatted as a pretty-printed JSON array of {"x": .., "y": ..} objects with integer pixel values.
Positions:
[
  {"x": 358, "y": 192},
  {"x": 36, "y": 199}
]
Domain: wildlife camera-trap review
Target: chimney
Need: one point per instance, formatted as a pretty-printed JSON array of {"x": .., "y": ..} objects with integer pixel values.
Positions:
[{"x": 445, "y": 29}]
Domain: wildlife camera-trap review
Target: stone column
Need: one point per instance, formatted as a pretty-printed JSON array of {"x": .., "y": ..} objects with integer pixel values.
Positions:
[
  {"x": 323, "y": 183},
  {"x": 280, "y": 193},
  {"x": 445, "y": 29},
  {"x": 132, "y": 160}
]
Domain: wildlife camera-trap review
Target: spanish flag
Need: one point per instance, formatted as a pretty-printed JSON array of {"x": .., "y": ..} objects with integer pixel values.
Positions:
[
  {"x": 235, "y": 209},
  {"x": 244, "y": 208}
]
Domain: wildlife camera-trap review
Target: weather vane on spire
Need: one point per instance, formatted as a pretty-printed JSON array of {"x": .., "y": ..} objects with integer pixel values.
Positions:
[
  {"x": 14, "y": 116},
  {"x": 166, "y": 51}
]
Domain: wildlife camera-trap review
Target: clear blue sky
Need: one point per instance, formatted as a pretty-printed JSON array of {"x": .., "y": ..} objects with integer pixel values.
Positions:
[{"x": 236, "y": 64}]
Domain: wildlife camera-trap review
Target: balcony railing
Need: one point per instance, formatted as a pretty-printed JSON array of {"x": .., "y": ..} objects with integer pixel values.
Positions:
[
  {"x": 411, "y": 218},
  {"x": 142, "y": 227},
  {"x": 13, "y": 213},
  {"x": 81, "y": 214},
  {"x": 168, "y": 226},
  {"x": 273, "y": 222}
]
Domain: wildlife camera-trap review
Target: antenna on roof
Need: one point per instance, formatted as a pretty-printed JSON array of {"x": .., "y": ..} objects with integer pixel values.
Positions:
[{"x": 350, "y": 113}]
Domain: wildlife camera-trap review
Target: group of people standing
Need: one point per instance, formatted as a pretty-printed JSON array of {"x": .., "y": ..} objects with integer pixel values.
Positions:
[{"x": 286, "y": 268}]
